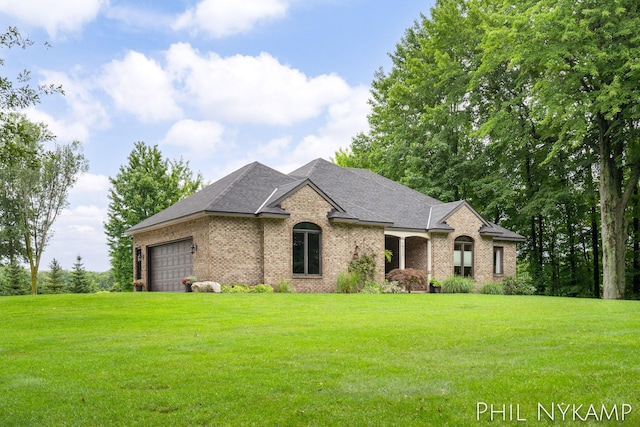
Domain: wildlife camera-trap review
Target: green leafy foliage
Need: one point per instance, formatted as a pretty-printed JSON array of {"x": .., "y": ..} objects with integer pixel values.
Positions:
[
  {"x": 246, "y": 289},
  {"x": 348, "y": 282},
  {"x": 492, "y": 288},
  {"x": 518, "y": 285},
  {"x": 457, "y": 285},
  {"x": 386, "y": 287},
  {"x": 363, "y": 263},
  {"x": 14, "y": 279},
  {"x": 284, "y": 287},
  {"x": 529, "y": 111},
  {"x": 147, "y": 184},
  {"x": 36, "y": 182}
]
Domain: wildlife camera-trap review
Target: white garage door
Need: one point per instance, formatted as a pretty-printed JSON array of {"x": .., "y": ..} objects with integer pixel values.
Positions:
[{"x": 170, "y": 263}]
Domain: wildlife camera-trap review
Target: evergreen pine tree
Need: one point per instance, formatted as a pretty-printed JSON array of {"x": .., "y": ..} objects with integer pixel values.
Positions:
[
  {"x": 79, "y": 282},
  {"x": 55, "y": 281},
  {"x": 15, "y": 279}
]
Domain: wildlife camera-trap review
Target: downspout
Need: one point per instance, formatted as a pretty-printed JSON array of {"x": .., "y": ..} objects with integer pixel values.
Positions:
[{"x": 429, "y": 247}]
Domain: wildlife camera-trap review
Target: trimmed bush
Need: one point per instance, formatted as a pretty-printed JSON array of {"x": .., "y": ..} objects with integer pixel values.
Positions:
[
  {"x": 348, "y": 283},
  {"x": 518, "y": 285},
  {"x": 245, "y": 289},
  {"x": 493, "y": 288},
  {"x": 235, "y": 289},
  {"x": 411, "y": 279},
  {"x": 457, "y": 285},
  {"x": 261, "y": 289}
]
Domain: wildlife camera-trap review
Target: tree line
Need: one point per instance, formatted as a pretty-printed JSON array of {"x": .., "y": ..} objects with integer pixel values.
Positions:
[
  {"x": 529, "y": 110},
  {"x": 16, "y": 280}
]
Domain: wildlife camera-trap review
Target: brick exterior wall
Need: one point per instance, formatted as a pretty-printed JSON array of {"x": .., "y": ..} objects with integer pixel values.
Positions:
[
  {"x": 416, "y": 253},
  {"x": 259, "y": 250},
  {"x": 466, "y": 223},
  {"x": 338, "y": 243}
]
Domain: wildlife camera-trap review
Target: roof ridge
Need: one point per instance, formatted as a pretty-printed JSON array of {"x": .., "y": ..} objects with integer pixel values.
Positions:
[
  {"x": 243, "y": 172},
  {"x": 387, "y": 181}
]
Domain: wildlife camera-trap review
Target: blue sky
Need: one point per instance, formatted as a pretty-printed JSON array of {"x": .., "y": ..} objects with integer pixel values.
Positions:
[{"x": 220, "y": 83}]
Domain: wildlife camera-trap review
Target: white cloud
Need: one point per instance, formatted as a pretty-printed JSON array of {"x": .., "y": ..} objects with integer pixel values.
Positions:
[
  {"x": 53, "y": 15},
  {"x": 345, "y": 120},
  {"x": 139, "y": 85},
  {"x": 221, "y": 18},
  {"x": 199, "y": 138},
  {"x": 252, "y": 89},
  {"x": 65, "y": 130},
  {"x": 90, "y": 188},
  {"x": 79, "y": 229},
  {"x": 86, "y": 113}
]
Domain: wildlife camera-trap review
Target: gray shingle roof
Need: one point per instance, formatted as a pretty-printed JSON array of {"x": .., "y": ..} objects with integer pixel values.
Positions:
[
  {"x": 356, "y": 195},
  {"x": 239, "y": 193}
]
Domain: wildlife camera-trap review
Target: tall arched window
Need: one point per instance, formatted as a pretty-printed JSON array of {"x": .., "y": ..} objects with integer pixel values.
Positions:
[
  {"x": 463, "y": 256},
  {"x": 307, "y": 245}
]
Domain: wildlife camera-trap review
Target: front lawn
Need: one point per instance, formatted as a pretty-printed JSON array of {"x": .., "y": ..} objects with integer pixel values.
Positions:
[{"x": 144, "y": 359}]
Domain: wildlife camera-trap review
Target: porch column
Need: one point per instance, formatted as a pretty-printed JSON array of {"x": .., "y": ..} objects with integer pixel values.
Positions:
[{"x": 402, "y": 254}]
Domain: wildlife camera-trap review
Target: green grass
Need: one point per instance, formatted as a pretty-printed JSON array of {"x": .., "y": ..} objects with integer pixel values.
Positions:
[{"x": 143, "y": 359}]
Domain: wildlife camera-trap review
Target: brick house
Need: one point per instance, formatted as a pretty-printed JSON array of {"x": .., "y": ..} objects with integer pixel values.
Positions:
[{"x": 258, "y": 225}]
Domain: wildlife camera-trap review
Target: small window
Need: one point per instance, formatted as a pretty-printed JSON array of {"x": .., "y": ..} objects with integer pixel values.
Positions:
[
  {"x": 307, "y": 243},
  {"x": 463, "y": 257},
  {"x": 498, "y": 260}
]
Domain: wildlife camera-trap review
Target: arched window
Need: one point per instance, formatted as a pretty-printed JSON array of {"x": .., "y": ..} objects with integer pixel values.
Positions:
[
  {"x": 307, "y": 244},
  {"x": 463, "y": 256}
]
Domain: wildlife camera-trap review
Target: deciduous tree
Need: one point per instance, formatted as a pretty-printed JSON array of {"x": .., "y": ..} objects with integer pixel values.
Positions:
[
  {"x": 147, "y": 184},
  {"x": 37, "y": 184}
]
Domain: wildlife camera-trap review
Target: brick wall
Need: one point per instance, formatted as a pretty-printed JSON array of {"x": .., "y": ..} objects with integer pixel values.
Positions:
[
  {"x": 338, "y": 243},
  {"x": 466, "y": 223},
  {"x": 416, "y": 253},
  {"x": 235, "y": 254}
]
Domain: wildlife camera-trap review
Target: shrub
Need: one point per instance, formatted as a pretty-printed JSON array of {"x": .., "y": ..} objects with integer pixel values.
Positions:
[
  {"x": 390, "y": 287},
  {"x": 457, "y": 285},
  {"x": 261, "y": 289},
  {"x": 284, "y": 287},
  {"x": 245, "y": 289},
  {"x": 518, "y": 285},
  {"x": 348, "y": 283},
  {"x": 371, "y": 287},
  {"x": 493, "y": 288},
  {"x": 235, "y": 289},
  {"x": 410, "y": 279},
  {"x": 363, "y": 263}
]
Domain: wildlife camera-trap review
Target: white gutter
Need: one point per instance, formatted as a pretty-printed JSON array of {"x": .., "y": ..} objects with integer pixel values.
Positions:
[{"x": 429, "y": 220}]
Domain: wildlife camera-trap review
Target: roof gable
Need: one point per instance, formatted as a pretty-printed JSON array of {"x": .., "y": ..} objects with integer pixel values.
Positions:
[{"x": 239, "y": 193}]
